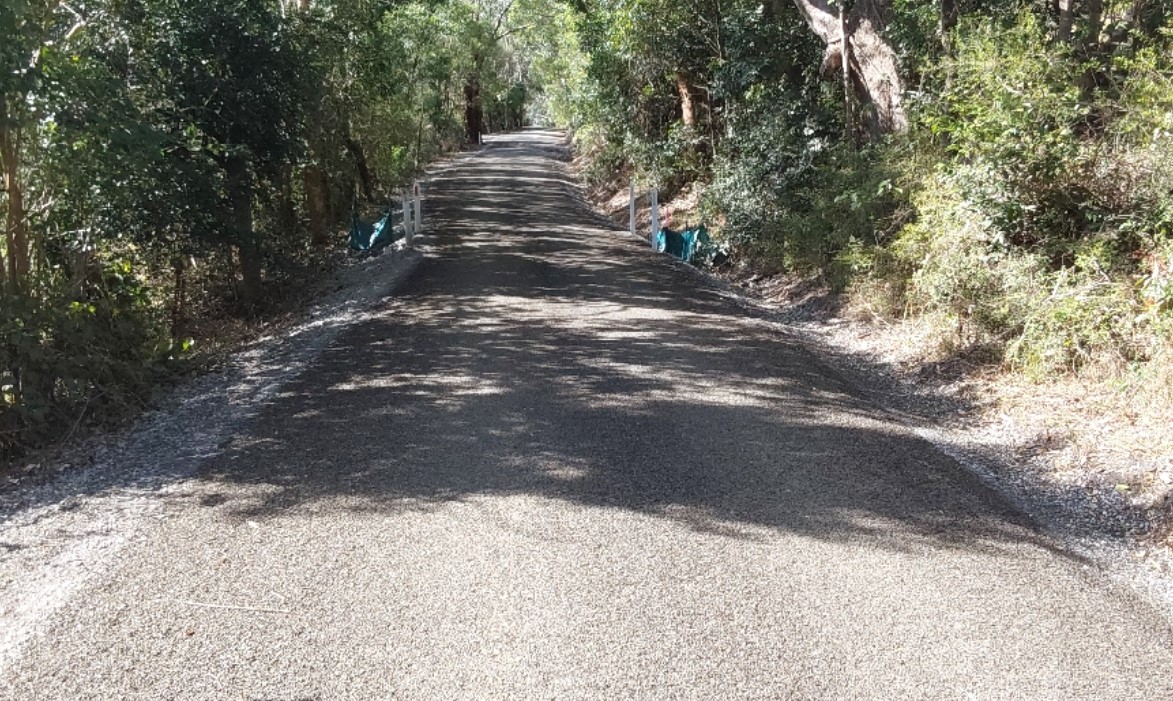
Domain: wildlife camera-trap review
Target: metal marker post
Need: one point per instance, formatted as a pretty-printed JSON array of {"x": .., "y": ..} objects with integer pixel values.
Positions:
[
  {"x": 417, "y": 219},
  {"x": 655, "y": 195},
  {"x": 631, "y": 208}
]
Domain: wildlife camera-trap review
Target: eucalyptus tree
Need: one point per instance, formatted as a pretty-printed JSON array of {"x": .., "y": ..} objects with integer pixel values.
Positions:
[{"x": 29, "y": 31}]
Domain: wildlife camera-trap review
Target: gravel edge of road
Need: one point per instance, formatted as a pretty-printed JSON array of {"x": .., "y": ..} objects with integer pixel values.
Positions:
[{"x": 62, "y": 533}]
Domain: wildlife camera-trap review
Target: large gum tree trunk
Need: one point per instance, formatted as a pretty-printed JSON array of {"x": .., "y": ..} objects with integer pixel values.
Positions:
[
  {"x": 872, "y": 66},
  {"x": 240, "y": 195},
  {"x": 474, "y": 110}
]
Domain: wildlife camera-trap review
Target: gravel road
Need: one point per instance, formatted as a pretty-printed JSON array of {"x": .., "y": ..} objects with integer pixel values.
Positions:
[{"x": 556, "y": 466}]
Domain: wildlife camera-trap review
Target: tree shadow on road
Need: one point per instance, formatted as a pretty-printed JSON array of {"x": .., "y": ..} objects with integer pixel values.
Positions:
[{"x": 540, "y": 354}]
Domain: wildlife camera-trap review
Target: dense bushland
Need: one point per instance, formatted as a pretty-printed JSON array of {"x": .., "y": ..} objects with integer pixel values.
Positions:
[
  {"x": 997, "y": 167},
  {"x": 172, "y": 164}
]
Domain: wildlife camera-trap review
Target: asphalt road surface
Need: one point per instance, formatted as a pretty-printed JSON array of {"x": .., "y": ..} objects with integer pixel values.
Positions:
[{"x": 556, "y": 466}]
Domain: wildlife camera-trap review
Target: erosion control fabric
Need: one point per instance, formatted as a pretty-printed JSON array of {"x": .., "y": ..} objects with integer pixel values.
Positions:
[
  {"x": 366, "y": 237},
  {"x": 685, "y": 245}
]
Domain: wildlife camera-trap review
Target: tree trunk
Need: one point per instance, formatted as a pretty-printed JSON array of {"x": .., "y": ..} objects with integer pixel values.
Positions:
[
  {"x": 250, "y": 271},
  {"x": 1095, "y": 25},
  {"x": 948, "y": 19},
  {"x": 82, "y": 268},
  {"x": 1093, "y": 10},
  {"x": 845, "y": 62},
  {"x": 286, "y": 211},
  {"x": 419, "y": 141},
  {"x": 317, "y": 205},
  {"x": 687, "y": 108},
  {"x": 240, "y": 195},
  {"x": 15, "y": 224},
  {"x": 474, "y": 114},
  {"x": 360, "y": 164},
  {"x": 1066, "y": 19},
  {"x": 1093, "y": 50},
  {"x": 177, "y": 301},
  {"x": 873, "y": 65}
]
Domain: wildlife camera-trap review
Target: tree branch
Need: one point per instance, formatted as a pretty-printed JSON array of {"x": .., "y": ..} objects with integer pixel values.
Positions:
[{"x": 500, "y": 19}]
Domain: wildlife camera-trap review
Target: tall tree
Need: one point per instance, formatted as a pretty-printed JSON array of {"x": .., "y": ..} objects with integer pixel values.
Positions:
[
  {"x": 26, "y": 29},
  {"x": 230, "y": 77}
]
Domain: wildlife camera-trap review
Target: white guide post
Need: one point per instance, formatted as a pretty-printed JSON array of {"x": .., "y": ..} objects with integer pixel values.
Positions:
[
  {"x": 631, "y": 208},
  {"x": 408, "y": 228},
  {"x": 417, "y": 219},
  {"x": 655, "y": 196}
]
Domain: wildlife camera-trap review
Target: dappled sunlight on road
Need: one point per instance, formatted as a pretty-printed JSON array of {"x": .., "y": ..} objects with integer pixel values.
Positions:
[{"x": 549, "y": 356}]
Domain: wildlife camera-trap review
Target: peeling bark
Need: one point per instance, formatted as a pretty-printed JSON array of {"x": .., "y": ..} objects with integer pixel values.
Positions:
[
  {"x": 873, "y": 66},
  {"x": 687, "y": 107}
]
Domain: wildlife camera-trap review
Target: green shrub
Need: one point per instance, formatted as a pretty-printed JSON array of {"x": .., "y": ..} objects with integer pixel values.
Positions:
[
  {"x": 962, "y": 266},
  {"x": 606, "y": 158},
  {"x": 1008, "y": 111},
  {"x": 79, "y": 356},
  {"x": 796, "y": 197}
]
